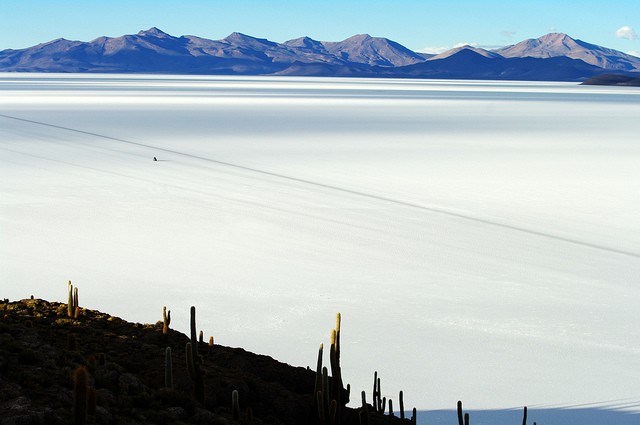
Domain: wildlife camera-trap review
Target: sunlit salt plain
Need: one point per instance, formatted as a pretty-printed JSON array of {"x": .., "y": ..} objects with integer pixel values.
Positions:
[{"x": 481, "y": 240}]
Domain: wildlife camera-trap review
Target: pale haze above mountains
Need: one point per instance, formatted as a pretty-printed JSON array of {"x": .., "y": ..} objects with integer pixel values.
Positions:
[{"x": 553, "y": 57}]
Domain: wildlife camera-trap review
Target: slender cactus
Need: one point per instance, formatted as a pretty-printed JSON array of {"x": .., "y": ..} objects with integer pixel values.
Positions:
[
  {"x": 374, "y": 403},
  {"x": 194, "y": 341},
  {"x": 391, "y": 408},
  {"x": 166, "y": 320},
  {"x": 168, "y": 369},
  {"x": 459, "y": 409},
  {"x": 235, "y": 405},
  {"x": 382, "y": 402},
  {"x": 318, "y": 384},
  {"x": 80, "y": 395},
  {"x": 70, "y": 309},
  {"x": 336, "y": 370},
  {"x": 524, "y": 417},
  {"x": 194, "y": 360},
  {"x": 401, "y": 401},
  {"x": 76, "y": 305}
]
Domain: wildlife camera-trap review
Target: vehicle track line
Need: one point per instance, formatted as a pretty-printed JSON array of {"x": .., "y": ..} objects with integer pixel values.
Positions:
[{"x": 343, "y": 190}]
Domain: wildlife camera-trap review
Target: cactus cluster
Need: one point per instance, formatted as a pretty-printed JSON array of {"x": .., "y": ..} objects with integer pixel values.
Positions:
[
  {"x": 330, "y": 394},
  {"x": 379, "y": 402},
  {"x": 327, "y": 405},
  {"x": 73, "y": 309},
  {"x": 462, "y": 421}
]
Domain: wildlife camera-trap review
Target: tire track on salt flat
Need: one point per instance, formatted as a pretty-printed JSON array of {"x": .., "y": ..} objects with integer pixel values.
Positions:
[{"x": 343, "y": 190}]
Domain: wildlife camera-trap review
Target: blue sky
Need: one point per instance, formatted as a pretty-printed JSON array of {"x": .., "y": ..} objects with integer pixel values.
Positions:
[{"x": 417, "y": 24}]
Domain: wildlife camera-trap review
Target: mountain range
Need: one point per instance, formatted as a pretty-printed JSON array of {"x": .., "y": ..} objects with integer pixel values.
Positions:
[{"x": 553, "y": 57}]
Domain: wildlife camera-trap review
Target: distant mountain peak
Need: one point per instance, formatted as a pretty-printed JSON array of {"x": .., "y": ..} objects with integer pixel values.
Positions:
[
  {"x": 554, "y": 36},
  {"x": 465, "y": 48},
  {"x": 154, "y": 32},
  {"x": 359, "y": 37},
  {"x": 559, "y": 44},
  {"x": 373, "y": 51},
  {"x": 304, "y": 42},
  {"x": 240, "y": 38},
  {"x": 549, "y": 45}
]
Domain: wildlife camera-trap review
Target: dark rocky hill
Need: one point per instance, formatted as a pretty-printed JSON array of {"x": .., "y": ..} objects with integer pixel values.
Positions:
[
  {"x": 42, "y": 350},
  {"x": 614, "y": 80}
]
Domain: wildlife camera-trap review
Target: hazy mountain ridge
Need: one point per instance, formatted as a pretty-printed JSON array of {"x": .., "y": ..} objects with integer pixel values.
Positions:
[
  {"x": 551, "y": 57},
  {"x": 558, "y": 44}
]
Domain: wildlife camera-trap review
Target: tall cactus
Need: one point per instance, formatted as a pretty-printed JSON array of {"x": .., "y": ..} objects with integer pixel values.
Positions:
[
  {"x": 194, "y": 341},
  {"x": 193, "y": 361},
  {"x": 375, "y": 394},
  {"x": 524, "y": 416},
  {"x": 80, "y": 395},
  {"x": 70, "y": 309},
  {"x": 335, "y": 394},
  {"x": 379, "y": 402},
  {"x": 73, "y": 307},
  {"x": 318, "y": 385},
  {"x": 460, "y": 415},
  {"x": 235, "y": 405},
  {"x": 166, "y": 320},
  {"x": 334, "y": 357},
  {"x": 168, "y": 369},
  {"x": 76, "y": 305}
]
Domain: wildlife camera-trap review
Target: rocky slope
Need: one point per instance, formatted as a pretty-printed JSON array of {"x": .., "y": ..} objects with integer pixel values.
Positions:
[{"x": 41, "y": 350}]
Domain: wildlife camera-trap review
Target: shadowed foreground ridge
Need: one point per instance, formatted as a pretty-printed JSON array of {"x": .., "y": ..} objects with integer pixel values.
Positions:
[{"x": 46, "y": 352}]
